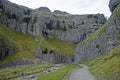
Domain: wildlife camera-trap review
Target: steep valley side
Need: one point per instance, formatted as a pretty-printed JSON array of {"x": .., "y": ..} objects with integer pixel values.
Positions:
[{"x": 39, "y": 36}]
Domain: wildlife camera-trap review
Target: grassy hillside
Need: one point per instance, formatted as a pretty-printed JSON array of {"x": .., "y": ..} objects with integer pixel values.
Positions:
[
  {"x": 107, "y": 67},
  {"x": 116, "y": 12},
  {"x": 64, "y": 48},
  {"x": 26, "y": 45}
]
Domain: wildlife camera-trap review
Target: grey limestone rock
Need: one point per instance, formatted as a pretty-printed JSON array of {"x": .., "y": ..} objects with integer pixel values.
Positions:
[
  {"x": 78, "y": 27},
  {"x": 54, "y": 57},
  {"x": 74, "y": 28},
  {"x": 92, "y": 49},
  {"x": 99, "y": 44},
  {"x": 60, "y": 25},
  {"x": 44, "y": 9},
  {"x": 113, "y": 4}
]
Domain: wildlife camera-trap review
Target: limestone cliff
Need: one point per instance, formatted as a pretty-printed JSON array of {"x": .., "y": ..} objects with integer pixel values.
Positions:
[
  {"x": 42, "y": 21},
  {"x": 94, "y": 35},
  {"x": 103, "y": 40},
  {"x": 113, "y": 4}
]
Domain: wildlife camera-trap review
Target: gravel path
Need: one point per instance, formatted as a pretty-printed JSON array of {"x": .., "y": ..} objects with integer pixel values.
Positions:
[{"x": 81, "y": 74}]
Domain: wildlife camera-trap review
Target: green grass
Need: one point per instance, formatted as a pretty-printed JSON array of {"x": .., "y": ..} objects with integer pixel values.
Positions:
[
  {"x": 26, "y": 45},
  {"x": 107, "y": 67},
  {"x": 64, "y": 48},
  {"x": 12, "y": 72},
  {"x": 21, "y": 42},
  {"x": 58, "y": 74},
  {"x": 116, "y": 12}
]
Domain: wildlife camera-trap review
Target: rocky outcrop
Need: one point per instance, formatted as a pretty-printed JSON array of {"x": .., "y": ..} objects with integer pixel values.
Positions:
[
  {"x": 113, "y": 4},
  {"x": 63, "y": 26},
  {"x": 44, "y": 9},
  {"x": 78, "y": 28},
  {"x": 92, "y": 47},
  {"x": 102, "y": 41},
  {"x": 74, "y": 28},
  {"x": 54, "y": 57},
  {"x": 7, "y": 48}
]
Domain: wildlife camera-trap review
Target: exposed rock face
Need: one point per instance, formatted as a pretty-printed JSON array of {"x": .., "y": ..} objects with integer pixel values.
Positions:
[
  {"x": 6, "y": 48},
  {"x": 102, "y": 41},
  {"x": 91, "y": 49},
  {"x": 113, "y": 4},
  {"x": 60, "y": 25},
  {"x": 74, "y": 28},
  {"x": 77, "y": 27},
  {"x": 44, "y": 9},
  {"x": 54, "y": 57}
]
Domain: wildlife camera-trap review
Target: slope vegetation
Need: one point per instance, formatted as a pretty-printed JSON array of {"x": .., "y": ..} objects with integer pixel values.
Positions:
[
  {"x": 26, "y": 45},
  {"x": 107, "y": 67}
]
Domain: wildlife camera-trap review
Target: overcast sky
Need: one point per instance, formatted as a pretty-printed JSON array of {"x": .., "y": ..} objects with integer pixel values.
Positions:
[{"x": 70, "y": 6}]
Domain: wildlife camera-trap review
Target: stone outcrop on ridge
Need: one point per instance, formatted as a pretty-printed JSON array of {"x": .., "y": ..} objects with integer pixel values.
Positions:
[{"x": 73, "y": 28}]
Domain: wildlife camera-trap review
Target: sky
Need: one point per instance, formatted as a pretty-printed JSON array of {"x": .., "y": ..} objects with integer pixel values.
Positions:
[{"x": 70, "y": 6}]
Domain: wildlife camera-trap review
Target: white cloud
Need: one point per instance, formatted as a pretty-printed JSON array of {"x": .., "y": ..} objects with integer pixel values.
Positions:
[{"x": 71, "y": 6}]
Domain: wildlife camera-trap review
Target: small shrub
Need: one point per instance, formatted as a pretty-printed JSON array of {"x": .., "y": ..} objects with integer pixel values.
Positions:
[
  {"x": 14, "y": 16},
  {"x": 65, "y": 29},
  {"x": 27, "y": 12},
  {"x": 89, "y": 16},
  {"x": 50, "y": 25},
  {"x": 26, "y": 20},
  {"x": 45, "y": 51},
  {"x": 51, "y": 51},
  {"x": 96, "y": 17}
]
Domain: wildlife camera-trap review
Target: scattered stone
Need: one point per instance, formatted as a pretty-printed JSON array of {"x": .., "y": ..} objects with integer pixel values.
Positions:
[{"x": 56, "y": 67}]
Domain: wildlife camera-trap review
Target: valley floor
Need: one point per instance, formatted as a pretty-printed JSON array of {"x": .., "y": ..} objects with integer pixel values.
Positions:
[
  {"x": 38, "y": 72},
  {"x": 81, "y": 74}
]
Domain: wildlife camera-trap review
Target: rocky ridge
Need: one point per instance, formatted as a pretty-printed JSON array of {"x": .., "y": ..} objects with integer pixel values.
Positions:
[{"x": 53, "y": 25}]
